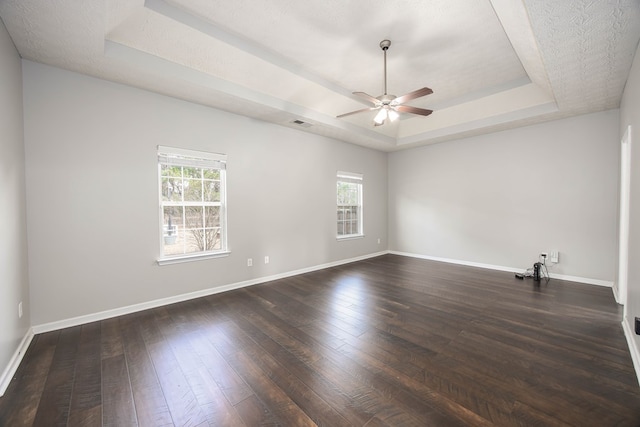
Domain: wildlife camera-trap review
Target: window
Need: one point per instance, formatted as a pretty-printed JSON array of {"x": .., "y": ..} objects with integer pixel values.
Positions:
[
  {"x": 349, "y": 205},
  {"x": 192, "y": 204}
]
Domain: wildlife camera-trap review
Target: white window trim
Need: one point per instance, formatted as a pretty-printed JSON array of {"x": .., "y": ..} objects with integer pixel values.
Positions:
[
  {"x": 350, "y": 237},
  {"x": 198, "y": 158},
  {"x": 356, "y": 178},
  {"x": 192, "y": 257},
  {"x": 350, "y": 177}
]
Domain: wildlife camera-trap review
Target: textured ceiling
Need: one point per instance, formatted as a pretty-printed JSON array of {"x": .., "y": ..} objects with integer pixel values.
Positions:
[{"x": 492, "y": 64}]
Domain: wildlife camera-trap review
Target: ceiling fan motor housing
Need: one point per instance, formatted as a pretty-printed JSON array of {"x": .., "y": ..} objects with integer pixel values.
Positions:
[{"x": 386, "y": 99}]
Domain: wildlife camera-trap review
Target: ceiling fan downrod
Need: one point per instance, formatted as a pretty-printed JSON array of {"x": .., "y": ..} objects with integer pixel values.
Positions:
[{"x": 384, "y": 45}]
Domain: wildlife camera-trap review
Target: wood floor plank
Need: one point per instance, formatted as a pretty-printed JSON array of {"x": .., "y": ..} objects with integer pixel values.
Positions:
[
  {"x": 255, "y": 413},
  {"x": 118, "y": 408},
  {"x": 328, "y": 391},
  {"x": 387, "y": 341},
  {"x": 303, "y": 391},
  {"x": 86, "y": 397},
  {"x": 179, "y": 396},
  {"x": 20, "y": 403},
  {"x": 279, "y": 403},
  {"x": 559, "y": 354},
  {"x": 149, "y": 401},
  {"x": 211, "y": 400},
  {"x": 231, "y": 385},
  {"x": 56, "y": 395},
  {"x": 411, "y": 395},
  {"x": 110, "y": 338}
]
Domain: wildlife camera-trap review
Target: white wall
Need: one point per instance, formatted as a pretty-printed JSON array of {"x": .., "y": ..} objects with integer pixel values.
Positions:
[
  {"x": 630, "y": 115},
  {"x": 92, "y": 194},
  {"x": 14, "y": 286},
  {"x": 503, "y": 198}
]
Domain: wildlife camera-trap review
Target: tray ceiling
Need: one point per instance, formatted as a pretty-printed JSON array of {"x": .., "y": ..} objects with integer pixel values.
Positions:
[{"x": 492, "y": 64}]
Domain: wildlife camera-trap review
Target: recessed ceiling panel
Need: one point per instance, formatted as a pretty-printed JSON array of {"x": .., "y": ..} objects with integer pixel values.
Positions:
[{"x": 452, "y": 46}]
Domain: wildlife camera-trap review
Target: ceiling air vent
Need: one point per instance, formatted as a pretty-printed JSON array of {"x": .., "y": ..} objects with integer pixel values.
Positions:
[{"x": 301, "y": 123}]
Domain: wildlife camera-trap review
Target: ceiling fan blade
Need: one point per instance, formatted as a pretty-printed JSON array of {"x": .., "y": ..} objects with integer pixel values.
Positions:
[
  {"x": 357, "y": 111},
  {"x": 368, "y": 97},
  {"x": 412, "y": 95},
  {"x": 412, "y": 110}
]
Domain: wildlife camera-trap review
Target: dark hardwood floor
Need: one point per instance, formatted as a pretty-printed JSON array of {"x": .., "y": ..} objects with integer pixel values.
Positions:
[{"x": 390, "y": 341}]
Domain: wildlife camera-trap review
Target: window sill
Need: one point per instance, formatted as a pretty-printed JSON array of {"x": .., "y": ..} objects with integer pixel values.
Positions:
[
  {"x": 350, "y": 237},
  {"x": 189, "y": 258}
]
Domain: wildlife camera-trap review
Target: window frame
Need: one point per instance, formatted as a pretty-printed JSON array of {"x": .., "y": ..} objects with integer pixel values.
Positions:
[
  {"x": 351, "y": 178},
  {"x": 199, "y": 159}
]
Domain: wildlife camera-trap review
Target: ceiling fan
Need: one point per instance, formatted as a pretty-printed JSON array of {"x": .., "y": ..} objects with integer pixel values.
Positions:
[{"x": 390, "y": 105}]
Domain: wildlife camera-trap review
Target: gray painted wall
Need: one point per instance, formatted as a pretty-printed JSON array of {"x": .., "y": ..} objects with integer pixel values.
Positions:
[
  {"x": 92, "y": 194},
  {"x": 91, "y": 184},
  {"x": 14, "y": 283},
  {"x": 630, "y": 115},
  {"x": 503, "y": 198}
]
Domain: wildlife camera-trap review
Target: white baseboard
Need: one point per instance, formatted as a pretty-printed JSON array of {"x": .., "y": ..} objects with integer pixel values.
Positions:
[
  {"x": 15, "y": 361},
  {"x": 107, "y": 314},
  {"x": 614, "y": 288},
  {"x": 633, "y": 349},
  {"x": 80, "y": 320},
  {"x": 598, "y": 282}
]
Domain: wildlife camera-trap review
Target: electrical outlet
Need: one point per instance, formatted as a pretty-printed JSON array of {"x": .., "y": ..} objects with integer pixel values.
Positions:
[
  {"x": 555, "y": 256},
  {"x": 378, "y": 240},
  {"x": 266, "y": 259},
  {"x": 249, "y": 262},
  {"x": 20, "y": 310}
]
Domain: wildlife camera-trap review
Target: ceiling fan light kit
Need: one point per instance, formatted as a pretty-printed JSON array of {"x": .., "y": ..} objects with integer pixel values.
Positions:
[{"x": 390, "y": 106}]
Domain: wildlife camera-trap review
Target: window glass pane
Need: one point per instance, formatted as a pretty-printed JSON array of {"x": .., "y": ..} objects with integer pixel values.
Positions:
[
  {"x": 171, "y": 230},
  {"x": 212, "y": 238},
  {"x": 347, "y": 196},
  {"x": 192, "y": 190},
  {"x": 212, "y": 217},
  {"x": 211, "y": 174},
  {"x": 211, "y": 191},
  {"x": 192, "y": 172},
  {"x": 195, "y": 232},
  {"x": 341, "y": 192},
  {"x": 194, "y": 238},
  {"x": 173, "y": 245},
  {"x": 172, "y": 216},
  {"x": 347, "y": 193},
  {"x": 194, "y": 217},
  {"x": 171, "y": 189},
  {"x": 174, "y": 171}
]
